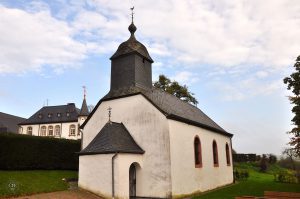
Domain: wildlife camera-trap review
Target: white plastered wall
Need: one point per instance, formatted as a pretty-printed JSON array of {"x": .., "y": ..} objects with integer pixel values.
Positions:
[
  {"x": 65, "y": 129},
  {"x": 95, "y": 174},
  {"x": 149, "y": 128},
  {"x": 187, "y": 179}
]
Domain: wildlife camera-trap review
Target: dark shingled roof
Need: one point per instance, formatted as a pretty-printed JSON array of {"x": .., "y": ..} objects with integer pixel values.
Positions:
[
  {"x": 132, "y": 46},
  {"x": 9, "y": 123},
  {"x": 112, "y": 138},
  {"x": 84, "y": 111},
  {"x": 169, "y": 105},
  {"x": 54, "y": 114}
]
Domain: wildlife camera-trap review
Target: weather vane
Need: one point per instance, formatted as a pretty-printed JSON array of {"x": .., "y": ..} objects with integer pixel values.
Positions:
[
  {"x": 132, "y": 13},
  {"x": 109, "y": 114},
  {"x": 84, "y": 91}
]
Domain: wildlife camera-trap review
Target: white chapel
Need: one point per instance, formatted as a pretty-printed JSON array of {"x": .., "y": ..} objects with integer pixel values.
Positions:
[{"x": 151, "y": 144}]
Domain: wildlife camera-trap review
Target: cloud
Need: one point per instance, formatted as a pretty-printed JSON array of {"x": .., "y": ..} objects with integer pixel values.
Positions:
[
  {"x": 185, "y": 77},
  {"x": 31, "y": 40}
]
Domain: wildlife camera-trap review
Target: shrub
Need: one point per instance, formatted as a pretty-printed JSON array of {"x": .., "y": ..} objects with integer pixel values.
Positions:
[
  {"x": 21, "y": 152},
  {"x": 285, "y": 177},
  {"x": 263, "y": 163},
  {"x": 240, "y": 174}
]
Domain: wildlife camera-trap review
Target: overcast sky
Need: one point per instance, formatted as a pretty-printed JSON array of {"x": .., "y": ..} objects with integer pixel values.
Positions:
[{"x": 232, "y": 55}]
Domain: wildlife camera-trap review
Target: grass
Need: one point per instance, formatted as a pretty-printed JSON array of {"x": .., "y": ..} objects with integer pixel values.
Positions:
[
  {"x": 16, "y": 183},
  {"x": 255, "y": 186}
]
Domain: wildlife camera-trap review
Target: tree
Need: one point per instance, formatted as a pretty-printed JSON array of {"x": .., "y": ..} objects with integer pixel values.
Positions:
[
  {"x": 293, "y": 84},
  {"x": 174, "y": 88}
]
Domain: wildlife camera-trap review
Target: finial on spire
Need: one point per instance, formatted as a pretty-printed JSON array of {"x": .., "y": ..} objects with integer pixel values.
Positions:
[
  {"x": 132, "y": 13},
  {"x": 132, "y": 27},
  {"x": 84, "y": 91},
  {"x": 109, "y": 114}
]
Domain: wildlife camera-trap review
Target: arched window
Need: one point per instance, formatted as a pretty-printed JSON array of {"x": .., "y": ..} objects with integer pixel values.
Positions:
[
  {"x": 197, "y": 152},
  {"x": 50, "y": 130},
  {"x": 43, "y": 131},
  {"x": 215, "y": 154},
  {"x": 29, "y": 130},
  {"x": 57, "y": 130},
  {"x": 227, "y": 154},
  {"x": 72, "y": 130}
]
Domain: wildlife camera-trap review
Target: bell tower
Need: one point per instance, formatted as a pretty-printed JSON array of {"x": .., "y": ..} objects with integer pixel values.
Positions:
[{"x": 131, "y": 64}]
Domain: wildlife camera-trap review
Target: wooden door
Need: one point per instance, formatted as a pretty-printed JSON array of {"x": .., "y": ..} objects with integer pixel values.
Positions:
[{"x": 132, "y": 181}]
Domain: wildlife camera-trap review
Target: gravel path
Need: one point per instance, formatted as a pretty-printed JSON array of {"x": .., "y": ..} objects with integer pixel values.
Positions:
[{"x": 70, "y": 194}]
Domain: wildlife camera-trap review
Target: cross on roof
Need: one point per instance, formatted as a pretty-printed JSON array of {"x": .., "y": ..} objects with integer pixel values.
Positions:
[
  {"x": 84, "y": 91},
  {"x": 109, "y": 114}
]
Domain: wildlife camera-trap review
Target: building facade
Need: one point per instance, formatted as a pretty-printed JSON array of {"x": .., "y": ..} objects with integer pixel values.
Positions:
[
  {"x": 61, "y": 121},
  {"x": 140, "y": 141}
]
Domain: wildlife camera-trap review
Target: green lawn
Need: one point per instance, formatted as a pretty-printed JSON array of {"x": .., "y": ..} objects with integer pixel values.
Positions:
[
  {"x": 14, "y": 183},
  {"x": 254, "y": 186}
]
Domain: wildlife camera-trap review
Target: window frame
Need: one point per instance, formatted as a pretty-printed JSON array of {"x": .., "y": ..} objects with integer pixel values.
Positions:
[
  {"x": 71, "y": 129},
  {"x": 215, "y": 154},
  {"x": 43, "y": 130},
  {"x": 227, "y": 150},
  {"x": 29, "y": 129},
  {"x": 50, "y": 128},
  {"x": 197, "y": 153},
  {"x": 55, "y": 131}
]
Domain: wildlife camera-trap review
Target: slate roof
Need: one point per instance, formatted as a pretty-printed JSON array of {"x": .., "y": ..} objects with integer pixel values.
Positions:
[
  {"x": 54, "y": 114},
  {"x": 169, "y": 105},
  {"x": 9, "y": 123},
  {"x": 132, "y": 46},
  {"x": 84, "y": 111},
  {"x": 112, "y": 138}
]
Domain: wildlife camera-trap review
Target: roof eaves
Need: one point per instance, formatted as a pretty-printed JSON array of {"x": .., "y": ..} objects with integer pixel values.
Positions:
[{"x": 187, "y": 121}]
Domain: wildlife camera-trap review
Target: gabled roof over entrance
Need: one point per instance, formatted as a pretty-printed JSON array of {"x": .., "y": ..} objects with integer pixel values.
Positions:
[{"x": 112, "y": 138}]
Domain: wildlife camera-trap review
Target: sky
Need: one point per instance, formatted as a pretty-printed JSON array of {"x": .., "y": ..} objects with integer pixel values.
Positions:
[{"x": 233, "y": 55}]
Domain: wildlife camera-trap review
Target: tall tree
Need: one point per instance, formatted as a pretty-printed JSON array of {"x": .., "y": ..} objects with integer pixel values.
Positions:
[
  {"x": 174, "y": 88},
  {"x": 293, "y": 84}
]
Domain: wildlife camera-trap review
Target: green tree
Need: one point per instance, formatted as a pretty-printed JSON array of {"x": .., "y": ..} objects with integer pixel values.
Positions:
[
  {"x": 293, "y": 84},
  {"x": 174, "y": 88}
]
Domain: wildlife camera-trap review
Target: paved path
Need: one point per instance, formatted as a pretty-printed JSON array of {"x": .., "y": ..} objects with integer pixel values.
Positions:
[{"x": 70, "y": 194}]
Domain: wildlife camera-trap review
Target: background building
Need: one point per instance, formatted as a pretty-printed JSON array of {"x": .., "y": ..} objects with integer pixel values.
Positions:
[
  {"x": 60, "y": 121},
  {"x": 9, "y": 123}
]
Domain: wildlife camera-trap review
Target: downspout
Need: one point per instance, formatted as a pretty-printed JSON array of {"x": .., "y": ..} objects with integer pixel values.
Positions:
[
  {"x": 231, "y": 158},
  {"x": 113, "y": 175}
]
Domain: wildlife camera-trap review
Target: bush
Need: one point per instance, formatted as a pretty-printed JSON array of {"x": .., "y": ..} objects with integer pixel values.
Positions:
[
  {"x": 285, "y": 177},
  {"x": 21, "y": 152},
  {"x": 240, "y": 174}
]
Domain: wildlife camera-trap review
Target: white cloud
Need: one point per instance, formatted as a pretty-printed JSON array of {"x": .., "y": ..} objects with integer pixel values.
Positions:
[
  {"x": 30, "y": 40},
  {"x": 185, "y": 77}
]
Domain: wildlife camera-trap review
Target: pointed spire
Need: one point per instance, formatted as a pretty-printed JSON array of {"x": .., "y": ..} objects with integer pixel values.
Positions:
[{"x": 84, "y": 111}]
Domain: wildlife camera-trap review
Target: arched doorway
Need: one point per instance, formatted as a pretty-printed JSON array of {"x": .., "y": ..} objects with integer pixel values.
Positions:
[{"x": 132, "y": 181}]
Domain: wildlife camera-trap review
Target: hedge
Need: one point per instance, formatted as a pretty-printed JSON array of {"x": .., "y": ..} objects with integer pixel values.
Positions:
[{"x": 24, "y": 152}]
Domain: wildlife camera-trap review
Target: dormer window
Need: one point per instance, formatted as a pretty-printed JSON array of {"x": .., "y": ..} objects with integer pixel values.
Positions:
[
  {"x": 40, "y": 116},
  {"x": 68, "y": 114},
  {"x": 58, "y": 114},
  {"x": 49, "y": 115}
]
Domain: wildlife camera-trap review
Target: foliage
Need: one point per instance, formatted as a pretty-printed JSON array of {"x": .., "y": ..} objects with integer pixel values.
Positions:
[
  {"x": 263, "y": 163},
  {"x": 240, "y": 174},
  {"x": 256, "y": 184},
  {"x": 293, "y": 84},
  {"x": 286, "y": 177},
  {"x": 24, "y": 152},
  {"x": 240, "y": 157},
  {"x": 174, "y": 88},
  {"x": 15, "y": 183}
]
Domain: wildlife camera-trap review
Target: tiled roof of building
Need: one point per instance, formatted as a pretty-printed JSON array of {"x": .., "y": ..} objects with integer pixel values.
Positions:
[
  {"x": 9, "y": 123},
  {"x": 84, "y": 111},
  {"x": 54, "y": 114},
  {"x": 169, "y": 105},
  {"x": 132, "y": 46},
  {"x": 112, "y": 138}
]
